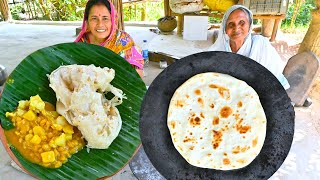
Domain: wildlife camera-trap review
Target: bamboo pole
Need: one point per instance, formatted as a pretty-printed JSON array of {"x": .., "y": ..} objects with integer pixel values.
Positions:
[
  {"x": 35, "y": 8},
  {"x": 130, "y": 12},
  {"x": 295, "y": 12},
  {"x": 45, "y": 10},
  {"x": 5, "y": 10},
  {"x": 135, "y": 12},
  {"x": 29, "y": 11},
  {"x": 167, "y": 10},
  {"x": 180, "y": 24},
  {"x": 120, "y": 17},
  {"x": 143, "y": 11},
  {"x": 29, "y": 5}
]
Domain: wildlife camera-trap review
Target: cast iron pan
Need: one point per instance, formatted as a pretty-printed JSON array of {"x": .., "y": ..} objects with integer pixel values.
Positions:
[{"x": 155, "y": 134}]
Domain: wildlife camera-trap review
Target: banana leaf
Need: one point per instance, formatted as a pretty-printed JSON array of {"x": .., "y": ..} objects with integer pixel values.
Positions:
[{"x": 30, "y": 78}]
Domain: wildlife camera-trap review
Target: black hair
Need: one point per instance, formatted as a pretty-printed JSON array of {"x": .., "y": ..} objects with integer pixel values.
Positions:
[{"x": 91, "y": 3}]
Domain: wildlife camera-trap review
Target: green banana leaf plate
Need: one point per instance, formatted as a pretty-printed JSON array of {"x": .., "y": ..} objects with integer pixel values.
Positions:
[{"x": 30, "y": 78}]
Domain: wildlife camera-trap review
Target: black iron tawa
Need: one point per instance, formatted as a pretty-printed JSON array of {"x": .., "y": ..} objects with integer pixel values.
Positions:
[{"x": 155, "y": 134}]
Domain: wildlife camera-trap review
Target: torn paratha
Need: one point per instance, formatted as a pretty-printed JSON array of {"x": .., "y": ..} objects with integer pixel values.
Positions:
[{"x": 80, "y": 92}]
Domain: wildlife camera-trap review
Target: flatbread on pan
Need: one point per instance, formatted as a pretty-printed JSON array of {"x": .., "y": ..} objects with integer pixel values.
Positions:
[{"x": 217, "y": 121}]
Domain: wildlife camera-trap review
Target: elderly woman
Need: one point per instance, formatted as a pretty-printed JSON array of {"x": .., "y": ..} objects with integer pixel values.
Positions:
[
  {"x": 235, "y": 36},
  {"x": 100, "y": 27}
]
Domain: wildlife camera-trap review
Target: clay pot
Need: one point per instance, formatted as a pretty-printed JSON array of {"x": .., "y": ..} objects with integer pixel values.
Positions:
[{"x": 167, "y": 23}]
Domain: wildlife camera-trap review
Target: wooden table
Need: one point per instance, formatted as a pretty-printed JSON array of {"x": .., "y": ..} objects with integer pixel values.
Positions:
[
  {"x": 208, "y": 12},
  {"x": 277, "y": 21}
]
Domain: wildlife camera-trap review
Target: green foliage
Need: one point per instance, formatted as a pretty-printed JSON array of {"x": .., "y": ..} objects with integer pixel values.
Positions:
[
  {"x": 303, "y": 17},
  {"x": 134, "y": 11},
  {"x": 16, "y": 11},
  {"x": 68, "y": 10},
  {"x": 59, "y": 10},
  {"x": 155, "y": 10},
  {"x": 215, "y": 20},
  {"x": 73, "y": 10}
]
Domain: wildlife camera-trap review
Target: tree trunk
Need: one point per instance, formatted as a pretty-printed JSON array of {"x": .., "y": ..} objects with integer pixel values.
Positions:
[
  {"x": 143, "y": 11},
  {"x": 118, "y": 6},
  {"x": 295, "y": 12},
  {"x": 5, "y": 10},
  {"x": 130, "y": 12},
  {"x": 311, "y": 41}
]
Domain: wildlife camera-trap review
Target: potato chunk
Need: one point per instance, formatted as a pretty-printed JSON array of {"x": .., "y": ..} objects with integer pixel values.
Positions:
[
  {"x": 36, "y": 103},
  {"x": 61, "y": 140},
  {"x": 30, "y": 115},
  {"x": 35, "y": 139},
  {"x": 38, "y": 130},
  {"x": 48, "y": 157}
]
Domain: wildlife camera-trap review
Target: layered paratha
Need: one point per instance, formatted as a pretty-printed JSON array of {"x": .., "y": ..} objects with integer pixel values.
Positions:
[
  {"x": 80, "y": 92},
  {"x": 217, "y": 121}
]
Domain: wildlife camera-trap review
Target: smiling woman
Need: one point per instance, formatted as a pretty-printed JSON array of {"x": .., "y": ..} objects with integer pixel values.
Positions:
[
  {"x": 100, "y": 28},
  {"x": 235, "y": 35},
  {"x": 98, "y": 23},
  {"x": 237, "y": 28}
]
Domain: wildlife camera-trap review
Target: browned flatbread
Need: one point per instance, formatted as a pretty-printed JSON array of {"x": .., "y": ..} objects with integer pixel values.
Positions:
[{"x": 216, "y": 121}]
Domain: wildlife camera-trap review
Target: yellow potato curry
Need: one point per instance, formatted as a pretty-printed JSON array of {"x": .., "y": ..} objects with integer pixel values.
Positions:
[{"x": 41, "y": 135}]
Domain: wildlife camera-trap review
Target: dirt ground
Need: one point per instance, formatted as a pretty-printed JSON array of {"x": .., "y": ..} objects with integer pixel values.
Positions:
[{"x": 287, "y": 46}]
